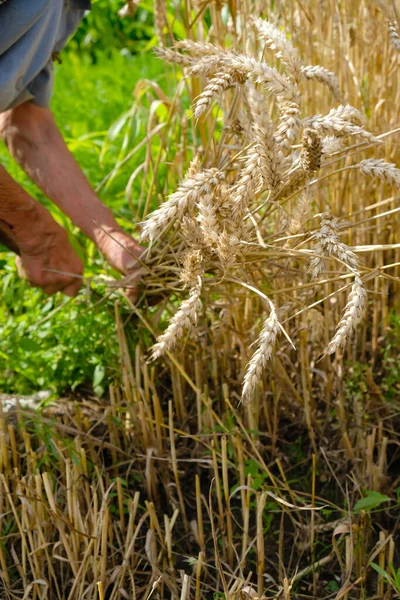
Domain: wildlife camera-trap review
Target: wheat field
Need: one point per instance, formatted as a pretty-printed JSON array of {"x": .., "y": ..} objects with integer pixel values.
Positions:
[{"x": 250, "y": 448}]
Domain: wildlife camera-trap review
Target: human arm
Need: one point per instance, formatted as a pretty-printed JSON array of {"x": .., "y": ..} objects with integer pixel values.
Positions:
[
  {"x": 34, "y": 140},
  {"x": 38, "y": 238}
]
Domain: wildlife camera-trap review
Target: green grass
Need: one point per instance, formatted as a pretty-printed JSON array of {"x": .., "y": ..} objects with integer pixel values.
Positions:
[{"x": 57, "y": 343}]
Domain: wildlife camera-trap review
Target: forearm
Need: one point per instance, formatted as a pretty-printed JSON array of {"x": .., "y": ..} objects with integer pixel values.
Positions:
[
  {"x": 19, "y": 212},
  {"x": 35, "y": 142}
]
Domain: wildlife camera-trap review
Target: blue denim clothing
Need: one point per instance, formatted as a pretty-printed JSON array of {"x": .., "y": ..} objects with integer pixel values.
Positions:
[{"x": 30, "y": 31}]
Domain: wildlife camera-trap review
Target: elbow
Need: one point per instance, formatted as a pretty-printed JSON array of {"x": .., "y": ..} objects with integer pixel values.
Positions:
[{"x": 25, "y": 127}]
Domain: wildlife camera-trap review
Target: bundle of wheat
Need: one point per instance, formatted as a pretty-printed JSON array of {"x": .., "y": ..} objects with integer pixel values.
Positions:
[{"x": 221, "y": 224}]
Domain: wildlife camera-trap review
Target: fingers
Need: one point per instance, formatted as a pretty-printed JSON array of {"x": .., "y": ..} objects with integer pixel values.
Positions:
[
  {"x": 72, "y": 289},
  {"x": 69, "y": 289},
  {"x": 133, "y": 282},
  {"x": 39, "y": 275}
]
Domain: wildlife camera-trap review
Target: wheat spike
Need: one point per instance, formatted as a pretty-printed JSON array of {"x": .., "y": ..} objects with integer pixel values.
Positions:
[
  {"x": 311, "y": 152},
  {"x": 270, "y": 160},
  {"x": 284, "y": 50},
  {"x": 301, "y": 213},
  {"x": 377, "y": 167},
  {"x": 341, "y": 121},
  {"x": 331, "y": 145},
  {"x": 249, "y": 67},
  {"x": 208, "y": 218},
  {"x": 322, "y": 75},
  {"x": 220, "y": 82},
  {"x": 329, "y": 244},
  {"x": 192, "y": 267},
  {"x": 171, "y": 56},
  {"x": 181, "y": 322},
  {"x": 197, "y": 48},
  {"x": 192, "y": 233},
  {"x": 394, "y": 35},
  {"x": 289, "y": 125},
  {"x": 177, "y": 204},
  {"x": 265, "y": 345},
  {"x": 349, "y": 113},
  {"x": 227, "y": 249},
  {"x": 249, "y": 181},
  {"x": 353, "y": 313},
  {"x": 258, "y": 104}
]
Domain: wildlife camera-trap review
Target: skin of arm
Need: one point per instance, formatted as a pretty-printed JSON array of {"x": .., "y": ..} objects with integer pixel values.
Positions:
[
  {"x": 34, "y": 140},
  {"x": 45, "y": 252}
]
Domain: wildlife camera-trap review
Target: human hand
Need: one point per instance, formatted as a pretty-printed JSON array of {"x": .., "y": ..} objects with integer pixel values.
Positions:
[
  {"x": 122, "y": 252},
  {"x": 47, "y": 259}
]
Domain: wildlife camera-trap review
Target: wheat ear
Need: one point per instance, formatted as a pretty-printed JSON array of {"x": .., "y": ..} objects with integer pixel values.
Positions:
[
  {"x": 249, "y": 67},
  {"x": 192, "y": 267},
  {"x": 249, "y": 181},
  {"x": 311, "y": 152},
  {"x": 394, "y": 35},
  {"x": 197, "y": 48},
  {"x": 331, "y": 144},
  {"x": 208, "y": 218},
  {"x": 353, "y": 313},
  {"x": 181, "y": 323},
  {"x": 277, "y": 41},
  {"x": 289, "y": 124},
  {"x": 171, "y": 56},
  {"x": 340, "y": 122},
  {"x": 220, "y": 82},
  {"x": 265, "y": 345},
  {"x": 329, "y": 244},
  {"x": 322, "y": 75},
  {"x": 377, "y": 167},
  {"x": 177, "y": 204},
  {"x": 270, "y": 159}
]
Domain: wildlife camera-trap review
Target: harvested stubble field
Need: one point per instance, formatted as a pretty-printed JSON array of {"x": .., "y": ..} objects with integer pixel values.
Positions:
[{"x": 250, "y": 448}]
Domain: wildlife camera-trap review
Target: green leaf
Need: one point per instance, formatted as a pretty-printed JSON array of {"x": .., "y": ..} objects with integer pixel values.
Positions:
[
  {"x": 372, "y": 500},
  {"x": 381, "y": 572},
  {"x": 29, "y": 345},
  {"x": 98, "y": 390},
  {"x": 98, "y": 375}
]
